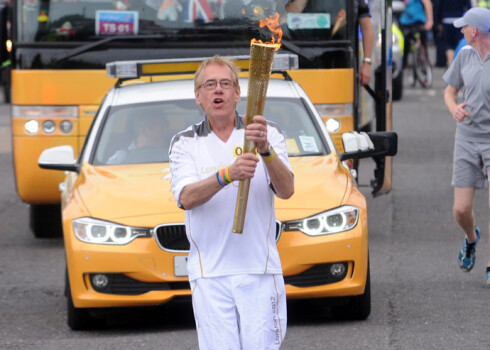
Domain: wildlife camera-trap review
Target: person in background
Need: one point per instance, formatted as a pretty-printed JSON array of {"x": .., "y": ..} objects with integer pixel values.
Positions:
[
  {"x": 364, "y": 20},
  {"x": 461, "y": 44},
  {"x": 470, "y": 71},
  {"x": 417, "y": 13},
  {"x": 238, "y": 292},
  {"x": 447, "y": 12},
  {"x": 149, "y": 140},
  {"x": 438, "y": 40}
]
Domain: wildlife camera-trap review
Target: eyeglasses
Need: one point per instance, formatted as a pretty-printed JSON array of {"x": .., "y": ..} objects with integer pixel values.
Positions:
[{"x": 212, "y": 84}]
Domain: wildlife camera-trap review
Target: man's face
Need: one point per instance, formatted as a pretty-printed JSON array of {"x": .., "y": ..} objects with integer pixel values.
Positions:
[
  {"x": 468, "y": 33},
  {"x": 218, "y": 102}
]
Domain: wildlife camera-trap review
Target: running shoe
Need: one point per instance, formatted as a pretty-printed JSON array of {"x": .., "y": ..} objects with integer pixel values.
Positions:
[{"x": 466, "y": 258}]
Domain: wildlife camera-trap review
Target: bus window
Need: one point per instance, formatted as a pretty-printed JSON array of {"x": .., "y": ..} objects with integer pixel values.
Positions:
[{"x": 317, "y": 20}]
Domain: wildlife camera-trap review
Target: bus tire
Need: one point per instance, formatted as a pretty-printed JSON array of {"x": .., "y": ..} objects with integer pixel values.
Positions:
[
  {"x": 359, "y": 307},
  {"x": 45, "y": 220}
]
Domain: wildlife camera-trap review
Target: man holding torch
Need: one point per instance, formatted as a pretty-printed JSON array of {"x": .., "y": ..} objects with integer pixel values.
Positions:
[{"x": 236, "y": 280}]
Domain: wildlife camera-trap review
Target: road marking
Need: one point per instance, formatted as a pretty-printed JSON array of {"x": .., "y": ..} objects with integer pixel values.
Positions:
[{"x": 421, "y": 92}]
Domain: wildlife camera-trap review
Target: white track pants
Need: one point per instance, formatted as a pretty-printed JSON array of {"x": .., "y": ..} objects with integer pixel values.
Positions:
[{"x": 246, "y": 312}]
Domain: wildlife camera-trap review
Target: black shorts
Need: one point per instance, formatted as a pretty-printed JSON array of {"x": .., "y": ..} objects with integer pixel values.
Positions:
[{"x": 451, "y": 36}]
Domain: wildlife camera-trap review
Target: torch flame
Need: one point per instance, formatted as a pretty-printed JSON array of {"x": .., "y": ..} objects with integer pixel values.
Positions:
[{"x": 271, "y": 22}]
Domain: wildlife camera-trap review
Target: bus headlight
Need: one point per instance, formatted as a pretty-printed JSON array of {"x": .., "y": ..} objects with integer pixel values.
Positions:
[
  {"x": 31, "y": 127},
  {"x": 49, "y": 126},
  {"x": 333, "y": 125},
  {"x": 91, "y": 230},
  {"x": 66, "y": 126},
  {"x": 332, "y": 221},
  {"x": 46, "y": 118}
]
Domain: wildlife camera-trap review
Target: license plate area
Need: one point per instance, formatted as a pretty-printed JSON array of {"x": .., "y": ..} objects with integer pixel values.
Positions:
[{"x": 180, "y": 266}]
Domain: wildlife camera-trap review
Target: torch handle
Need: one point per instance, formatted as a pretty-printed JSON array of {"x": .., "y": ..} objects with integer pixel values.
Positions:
[{"x": 242, "y": 197}]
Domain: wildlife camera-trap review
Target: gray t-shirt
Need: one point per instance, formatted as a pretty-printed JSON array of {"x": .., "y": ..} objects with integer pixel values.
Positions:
[{"x": 468, "y": 71}]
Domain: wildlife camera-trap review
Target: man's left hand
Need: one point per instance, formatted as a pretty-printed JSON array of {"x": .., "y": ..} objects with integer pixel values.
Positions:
[{"x": 257, "y": 132}]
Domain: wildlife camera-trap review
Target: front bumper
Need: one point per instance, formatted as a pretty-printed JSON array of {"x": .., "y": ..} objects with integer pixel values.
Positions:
[{"x": 141, "y": 273}]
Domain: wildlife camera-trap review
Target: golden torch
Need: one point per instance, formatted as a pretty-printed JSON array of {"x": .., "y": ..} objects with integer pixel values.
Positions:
[{"x": 261, "y": 58}]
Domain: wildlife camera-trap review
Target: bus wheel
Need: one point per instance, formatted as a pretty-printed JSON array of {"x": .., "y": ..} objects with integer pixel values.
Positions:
[
  {"x": 45, "y": 220},
  {"x": 358, "y": 308}
]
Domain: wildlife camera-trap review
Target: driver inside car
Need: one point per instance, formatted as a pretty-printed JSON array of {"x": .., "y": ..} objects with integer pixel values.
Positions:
[{"x": 150, "y": 143}]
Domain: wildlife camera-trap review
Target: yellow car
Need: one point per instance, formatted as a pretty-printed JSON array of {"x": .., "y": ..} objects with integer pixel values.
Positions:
[{"x": 125, "y": 237}]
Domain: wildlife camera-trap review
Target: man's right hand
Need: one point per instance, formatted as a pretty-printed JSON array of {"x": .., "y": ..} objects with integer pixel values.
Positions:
[
  {"x": 459, "y": 113},
  {"x": 244, "y": 167}
]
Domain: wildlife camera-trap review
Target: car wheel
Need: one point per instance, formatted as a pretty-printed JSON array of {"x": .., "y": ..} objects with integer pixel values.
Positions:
[
  {"x": 398, "y": 87},
  {"x": 358, "y": 307},
  {"x": 45, "y": 220},
  {"x": 78, "y": 319}
]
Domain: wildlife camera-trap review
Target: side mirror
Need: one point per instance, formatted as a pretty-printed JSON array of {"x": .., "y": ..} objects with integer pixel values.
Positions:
[
  {"x": 371, "y": 144},
  {"x": 59, "y": 158}
]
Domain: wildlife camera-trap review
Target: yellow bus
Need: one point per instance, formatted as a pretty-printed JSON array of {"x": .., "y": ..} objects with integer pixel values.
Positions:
[{"x": 58, "y": 49}]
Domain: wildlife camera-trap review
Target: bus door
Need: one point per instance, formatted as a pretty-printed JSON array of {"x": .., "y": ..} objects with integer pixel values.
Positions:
[
  {"x": 382, "y": 18},
  {"x": 325, "y": 35}
]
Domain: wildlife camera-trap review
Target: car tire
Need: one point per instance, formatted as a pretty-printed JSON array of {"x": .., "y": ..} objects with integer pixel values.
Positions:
[
  {"x": 45, "y": 220},
  {"x": 398, "y": 87},
  {"x": 359, "y": 307},
  {"x": 78, "y": 319}
]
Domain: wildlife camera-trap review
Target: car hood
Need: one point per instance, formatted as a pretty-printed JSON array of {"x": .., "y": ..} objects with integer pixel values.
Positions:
[
  {"x": 126, "y": 191},
  {"x": 320, "y": 183},
  {"x": 130, "y": 191}
]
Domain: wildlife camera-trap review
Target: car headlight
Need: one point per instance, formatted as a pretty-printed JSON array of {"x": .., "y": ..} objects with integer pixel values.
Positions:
[
  {"x": 332, "y": 221},
  {"x": 91, "y": 230}
]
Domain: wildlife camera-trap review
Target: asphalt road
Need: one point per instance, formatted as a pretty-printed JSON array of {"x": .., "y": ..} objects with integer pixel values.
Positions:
[{"x": 420, "y": 298}]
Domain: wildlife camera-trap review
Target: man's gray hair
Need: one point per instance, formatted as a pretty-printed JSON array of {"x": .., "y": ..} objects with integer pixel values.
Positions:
[{"x": 222, "y": 61}]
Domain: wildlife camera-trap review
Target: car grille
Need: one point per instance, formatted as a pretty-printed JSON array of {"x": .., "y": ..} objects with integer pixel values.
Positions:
[
  {"x": 124, "y": 285},
  {"x": 172, "y": 237},
  {"x": 315, "y": 276}
]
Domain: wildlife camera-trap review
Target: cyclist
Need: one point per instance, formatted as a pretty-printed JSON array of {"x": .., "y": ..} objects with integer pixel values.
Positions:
[{"x": 417, "y": 14}]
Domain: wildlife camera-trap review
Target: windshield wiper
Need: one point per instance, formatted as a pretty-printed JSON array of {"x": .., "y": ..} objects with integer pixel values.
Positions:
[
  {"x": 90, "y": 46},
  {"x": 87, "y": 47}
]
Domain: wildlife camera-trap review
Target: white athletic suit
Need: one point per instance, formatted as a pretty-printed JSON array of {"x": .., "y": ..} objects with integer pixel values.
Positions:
[{"x": 234, "y": 277}]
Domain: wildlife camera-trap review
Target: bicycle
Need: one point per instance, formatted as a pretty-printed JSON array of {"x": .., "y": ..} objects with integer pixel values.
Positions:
[{"x": 417, "y": 59}]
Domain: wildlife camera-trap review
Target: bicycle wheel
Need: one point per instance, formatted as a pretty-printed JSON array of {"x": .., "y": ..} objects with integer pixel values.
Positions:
[
  {"x": 422, "y": 68},
  {"x": 409, "y": 70}
]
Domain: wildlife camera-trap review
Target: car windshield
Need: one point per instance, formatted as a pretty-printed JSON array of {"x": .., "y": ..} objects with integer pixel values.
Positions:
[
  {"x": 181, "y": 20},
  {"x": 141, "y": 133}
]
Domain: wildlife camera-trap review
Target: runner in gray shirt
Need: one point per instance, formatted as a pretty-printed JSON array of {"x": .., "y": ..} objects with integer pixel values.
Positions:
[{"x": 470, "y": 71}]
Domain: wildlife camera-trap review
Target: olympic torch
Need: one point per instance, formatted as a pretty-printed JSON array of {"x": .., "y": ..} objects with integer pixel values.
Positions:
[{"x": 261, "y": 59}]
